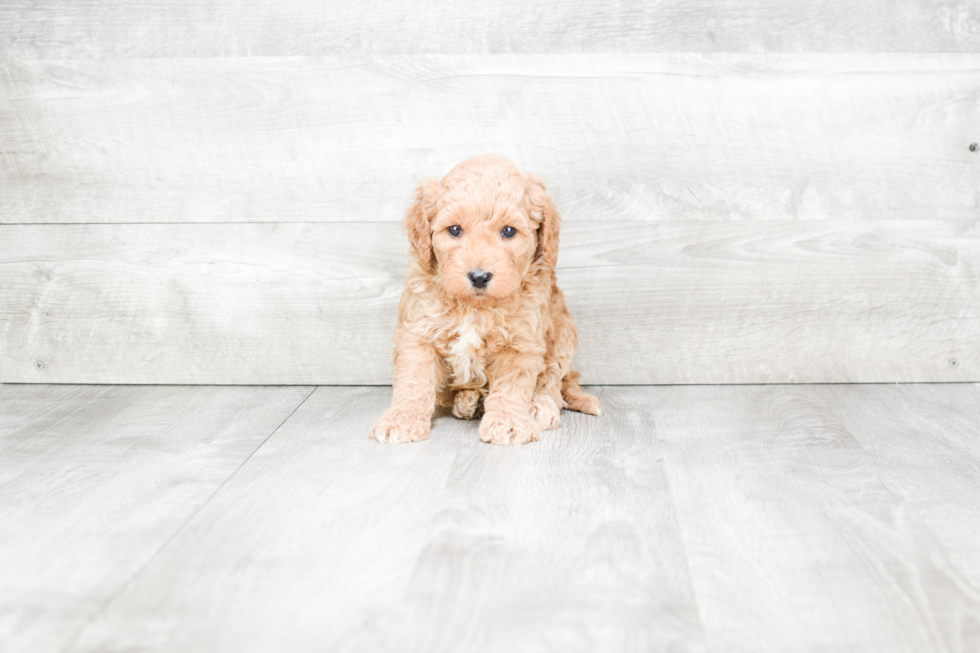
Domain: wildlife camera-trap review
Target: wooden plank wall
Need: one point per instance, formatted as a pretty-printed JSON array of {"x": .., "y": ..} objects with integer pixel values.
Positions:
[{"x": 779, "y": 192}]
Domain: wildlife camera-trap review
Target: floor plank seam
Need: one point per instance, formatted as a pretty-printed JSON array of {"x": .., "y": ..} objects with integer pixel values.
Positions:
[
  {"x": 177, "y": 531},
  {"x": 684, "y": 543}
]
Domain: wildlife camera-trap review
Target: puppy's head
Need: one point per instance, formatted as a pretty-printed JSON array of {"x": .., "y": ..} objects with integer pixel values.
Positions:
[{"x": 481, "y": 231}]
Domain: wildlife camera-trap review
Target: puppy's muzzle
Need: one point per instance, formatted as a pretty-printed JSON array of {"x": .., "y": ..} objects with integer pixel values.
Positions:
[{"x": 479, "y": 278}]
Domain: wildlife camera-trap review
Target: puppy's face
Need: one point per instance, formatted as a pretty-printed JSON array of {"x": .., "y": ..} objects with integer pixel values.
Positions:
[
  {"x": 480, "y": 230},
  {"x": 483, "y": 251}
]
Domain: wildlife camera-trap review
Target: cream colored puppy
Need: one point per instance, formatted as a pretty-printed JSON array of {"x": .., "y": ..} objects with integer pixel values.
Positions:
[{"x": 482, "y": 323}]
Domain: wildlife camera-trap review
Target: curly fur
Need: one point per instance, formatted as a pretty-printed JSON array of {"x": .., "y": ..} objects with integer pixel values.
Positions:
[{"x": 505, "y": 349}]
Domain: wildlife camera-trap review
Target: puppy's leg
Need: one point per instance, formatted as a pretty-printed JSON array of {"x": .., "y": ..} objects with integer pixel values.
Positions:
[
  {"x": 418, "y": 372},
  {"x": 547, "y": 404},
  {"x": 507, "y": 409},
  {"x": 557, "y": 387}
]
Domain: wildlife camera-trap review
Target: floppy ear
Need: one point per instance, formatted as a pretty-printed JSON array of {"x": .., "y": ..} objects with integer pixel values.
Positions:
[
  {"x": 543, "y": 208},
  {"x": 418, "y": 222}
]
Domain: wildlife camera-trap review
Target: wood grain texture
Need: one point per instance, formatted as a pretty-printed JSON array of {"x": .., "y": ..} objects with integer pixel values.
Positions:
[
  {"x": 326, "y": 540},
  {"x": 792, "y": 539},
  {"x": 643, "y": 137},
  {"x": 94, "y": 480},
  {"x": 32, "y": 29},
  {"x": 924, "y": 446},
  {"x": 721, "y": 518},
  {"x": 681, "y": 302}
]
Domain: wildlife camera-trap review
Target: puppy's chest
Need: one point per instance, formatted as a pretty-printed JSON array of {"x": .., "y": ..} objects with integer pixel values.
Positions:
[{"x": 467, "y": 348}]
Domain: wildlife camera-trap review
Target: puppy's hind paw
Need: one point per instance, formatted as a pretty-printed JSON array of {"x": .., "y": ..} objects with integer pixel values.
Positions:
[
  {"x": 583, "y": 403},
  {"x": 466, "y": 404},
  {"x": 505, "y": 429},
  {"x": 546, "y": 412},
  {"x": 400, "y": 426}
]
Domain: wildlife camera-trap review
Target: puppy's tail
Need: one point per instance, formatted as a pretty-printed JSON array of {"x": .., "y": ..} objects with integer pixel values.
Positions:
[{"x": 575, "y": 399}]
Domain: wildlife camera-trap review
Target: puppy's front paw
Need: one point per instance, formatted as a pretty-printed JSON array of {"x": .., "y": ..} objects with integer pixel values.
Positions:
[
  {"x": 546, "y": 412},
  {"x": 506, "y": 429},
  {"x": 400, "y": 426}
]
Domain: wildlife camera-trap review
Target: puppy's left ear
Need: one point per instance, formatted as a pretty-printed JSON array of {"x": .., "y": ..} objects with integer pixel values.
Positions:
[
  {"x": 418, "y": 222},
  {"x": 543, "y": 208}
]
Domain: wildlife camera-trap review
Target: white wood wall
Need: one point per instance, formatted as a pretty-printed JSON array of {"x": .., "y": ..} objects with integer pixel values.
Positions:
[{"x": 752, "y": 192}]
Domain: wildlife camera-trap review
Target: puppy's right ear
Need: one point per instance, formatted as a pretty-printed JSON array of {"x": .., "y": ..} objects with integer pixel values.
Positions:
[{"x": 418, "y": 222}]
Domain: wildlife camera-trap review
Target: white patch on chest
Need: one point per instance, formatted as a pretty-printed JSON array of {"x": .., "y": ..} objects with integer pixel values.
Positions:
[{"x": 463, "y": 362}]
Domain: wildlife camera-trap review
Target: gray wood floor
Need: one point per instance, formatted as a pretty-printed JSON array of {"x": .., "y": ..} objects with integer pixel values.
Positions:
[{"x": 686, "y": 518}]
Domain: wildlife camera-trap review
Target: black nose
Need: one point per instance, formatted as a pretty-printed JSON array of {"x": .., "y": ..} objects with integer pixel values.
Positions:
[{"x": 479, "y": 279}]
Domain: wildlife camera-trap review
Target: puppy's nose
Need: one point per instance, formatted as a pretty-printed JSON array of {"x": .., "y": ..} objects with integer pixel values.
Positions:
[{"x": 479, "y": 278}]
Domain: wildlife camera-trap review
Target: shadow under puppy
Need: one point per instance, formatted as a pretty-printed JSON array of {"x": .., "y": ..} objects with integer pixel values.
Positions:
[{"x": 482, "y": 323}]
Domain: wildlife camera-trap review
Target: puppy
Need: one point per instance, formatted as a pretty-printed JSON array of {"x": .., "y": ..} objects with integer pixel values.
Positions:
[{"x": 482, "y": 324}]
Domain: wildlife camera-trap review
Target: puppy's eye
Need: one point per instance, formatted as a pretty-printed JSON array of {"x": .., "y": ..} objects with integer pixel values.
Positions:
[
  {"x": 455, "y": 231},
  {"x": 508, "y": 232}
]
